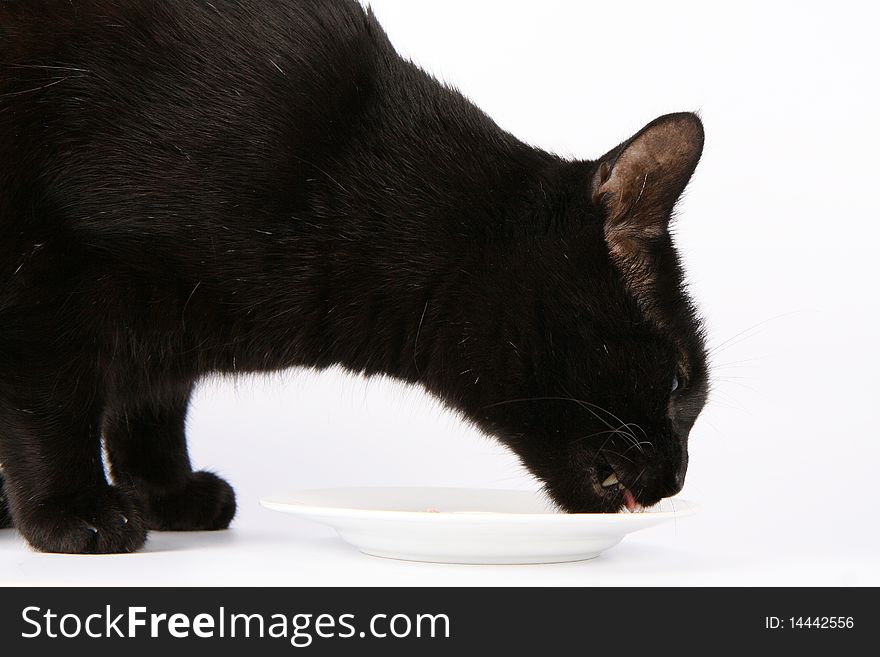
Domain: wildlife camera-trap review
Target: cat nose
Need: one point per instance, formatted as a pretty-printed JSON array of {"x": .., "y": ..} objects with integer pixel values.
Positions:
[
  {"x": 669, "y": 484},
  {"x": 671, "y": 479},
  {"x": 679, "y": 479},
  {"x": 680, "y": 460},
  {"x": 679, "y": 474}
]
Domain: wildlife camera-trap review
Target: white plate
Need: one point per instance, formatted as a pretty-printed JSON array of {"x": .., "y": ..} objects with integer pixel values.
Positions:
[{"x": 459, "y": 525}]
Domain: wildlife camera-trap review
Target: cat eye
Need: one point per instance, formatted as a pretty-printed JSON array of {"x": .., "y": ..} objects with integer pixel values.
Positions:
[{"x": 679, "y": 381}]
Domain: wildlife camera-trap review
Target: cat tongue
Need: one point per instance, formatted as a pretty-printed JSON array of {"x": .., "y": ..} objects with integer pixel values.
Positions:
[{"x": 630, "y": 500}]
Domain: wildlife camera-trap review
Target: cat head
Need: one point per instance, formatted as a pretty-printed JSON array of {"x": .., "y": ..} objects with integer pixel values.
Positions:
[{"x": 598, "y": 366}]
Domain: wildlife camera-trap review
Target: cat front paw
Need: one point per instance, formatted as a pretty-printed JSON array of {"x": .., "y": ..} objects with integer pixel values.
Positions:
[
  {"x": 106, "y": 521},
  {"x": 206, "y": 502},
  {"x": 5, "y": 513}
]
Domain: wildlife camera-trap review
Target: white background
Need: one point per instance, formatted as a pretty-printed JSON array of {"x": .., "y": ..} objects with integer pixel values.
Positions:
[{"x": 778, "y": 232}]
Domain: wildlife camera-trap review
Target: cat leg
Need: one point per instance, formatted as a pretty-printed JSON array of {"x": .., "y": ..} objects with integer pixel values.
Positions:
[
  {"x": 54, "y": 480},
  {"x": 5, "y": 515},
  {"x": 146, "y": 445}
]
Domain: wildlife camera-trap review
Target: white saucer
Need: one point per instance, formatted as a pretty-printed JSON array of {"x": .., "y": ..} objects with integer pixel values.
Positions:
[{"x": 470, "y": 526}]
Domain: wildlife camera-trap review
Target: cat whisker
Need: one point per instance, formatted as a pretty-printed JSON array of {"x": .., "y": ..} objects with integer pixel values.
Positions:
[
  {"x": 623, "y": 429},
  {"x": 729, "y": 342},
  {"x": 634, "y": 443},
  {"x": 612, "y": 415},
  {"x": 623, "y": 425},
  {"x": 599, "y": 451},
  {"x": 593, "y": 435},
  {"x": 416, "y": 343},
  {"x": 40, "y": 88},
  {"x": 623, "y": 456},
  {"x": 638, "y": 446},
  {"x": 634, "y": 481}
]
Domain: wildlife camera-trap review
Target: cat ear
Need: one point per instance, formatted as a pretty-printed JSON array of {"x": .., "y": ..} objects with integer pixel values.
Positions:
[{"x": 639, "y": 182}]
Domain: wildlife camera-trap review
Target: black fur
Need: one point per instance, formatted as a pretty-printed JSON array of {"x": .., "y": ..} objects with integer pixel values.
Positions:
[
  {"x": 242, "y": 186},
  {"x": 5, "y": 516}
]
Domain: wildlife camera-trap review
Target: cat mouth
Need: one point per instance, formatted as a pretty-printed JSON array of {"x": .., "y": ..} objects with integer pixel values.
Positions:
[{"x": 611, "y": 488}]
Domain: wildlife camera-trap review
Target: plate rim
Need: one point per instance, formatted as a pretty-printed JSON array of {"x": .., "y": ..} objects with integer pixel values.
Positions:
[{"x": 272, "y": 503}]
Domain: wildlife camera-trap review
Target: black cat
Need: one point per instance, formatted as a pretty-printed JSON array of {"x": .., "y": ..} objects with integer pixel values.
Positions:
[{"x": 245, "y": 186}]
